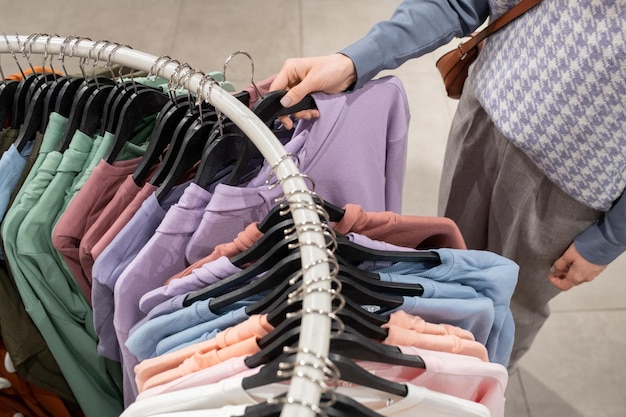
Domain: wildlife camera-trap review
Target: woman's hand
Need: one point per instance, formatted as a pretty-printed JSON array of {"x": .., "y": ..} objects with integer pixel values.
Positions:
[
  {"x": 301, "y": 76},
  {"x": 572, "y": 269}
]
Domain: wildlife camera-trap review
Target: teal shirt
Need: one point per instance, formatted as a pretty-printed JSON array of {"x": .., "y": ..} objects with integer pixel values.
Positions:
[
  {"x": 92, "y": 160},
  {"x": 55, "y": 302},
  {"x": 51, "y": 141}
]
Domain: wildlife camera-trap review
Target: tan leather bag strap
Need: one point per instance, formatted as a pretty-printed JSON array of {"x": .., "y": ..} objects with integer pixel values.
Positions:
[{"x": 515, "y": 12}]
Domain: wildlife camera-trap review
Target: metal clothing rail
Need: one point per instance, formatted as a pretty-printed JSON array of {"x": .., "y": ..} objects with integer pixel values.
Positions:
[{"x": 310, "y": 368}]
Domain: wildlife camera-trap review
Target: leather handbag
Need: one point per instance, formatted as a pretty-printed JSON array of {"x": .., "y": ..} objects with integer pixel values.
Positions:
[{"x": 453, "y": 65}]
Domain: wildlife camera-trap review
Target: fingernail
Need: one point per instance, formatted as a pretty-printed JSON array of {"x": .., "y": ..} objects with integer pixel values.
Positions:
[{"x": 285, "y": 101}]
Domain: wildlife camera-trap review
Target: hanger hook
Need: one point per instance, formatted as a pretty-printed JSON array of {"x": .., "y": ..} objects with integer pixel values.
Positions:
[
  {"x": 28, "y": 43},
  {"x": 199, "y": 96},
  {"x": 81, "y": 61},
  {"x": 102, "y": 48},
  {"x": 96, "y": 59},
  {"x": 89, "y": 58},
  {"x": 62, "y": 49},
  {"x": 13, "y": 53},
  {"x": 4, "y": 80},
  {"x": 46, "y": 52},
  {"x": 157, "y": 70},
  {"x": 234, "y": 54},
  {"x": 109, "y": 63},
  {"x": 220, "y": 126},
  {"x": 174, "y": 82},
  {"x": 156, "y": 67},
  {"x": 183, "y": 78}
]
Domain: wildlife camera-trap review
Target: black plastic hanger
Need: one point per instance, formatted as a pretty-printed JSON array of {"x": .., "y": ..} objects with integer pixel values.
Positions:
[
  {"x": 230, "y": 150},
  {"x": 276, "y": 277},
  {"x": 41, "y": 80},
  {"x": 175, "y": 146},
  {"x": 52, "y": 95},
  {"x": 141, "y": 104},
  {"x": 7, "y": 93},
  {"x": 194, "y": 140},
  {"x": 277, "y": 262},
  {"x": 359, "y": 289},
  {"x": 78, "y": 107},
  {"x": 280, "y": 211},
  {"x": 162, "y": 134},
  {"x": 372, "y": 281},
  {"x": 65, "y": 98},
  {"x": 348, "y": 343},
  {"x": 277, "y": 307},
  {"x": 268, "y": 107},
  {"x": 109, "y": 106},
  {"x": 354, "y": 253},
  {"x": 349, "y": 371},
  {"x": 118, "y": 97},
  {"x": 32, "y": 123},
  {"x": 270, "y": 238},
  {"x": 93, "y": 113},
  {"x": 19, "y": 100},
  {"x": 361, "y": 294}
]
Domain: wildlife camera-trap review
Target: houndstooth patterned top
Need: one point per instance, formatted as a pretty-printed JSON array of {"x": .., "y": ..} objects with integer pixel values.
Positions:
[{"x": 554, "y": 83}]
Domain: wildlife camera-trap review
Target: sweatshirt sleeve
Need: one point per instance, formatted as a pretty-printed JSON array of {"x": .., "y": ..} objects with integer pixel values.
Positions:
[
  {"x": 604, "y": 241},
  {"x": 415, "y": 28}
]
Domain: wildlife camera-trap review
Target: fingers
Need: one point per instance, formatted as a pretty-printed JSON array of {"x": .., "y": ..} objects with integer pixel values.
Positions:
[
  {"x": 561, "y": 282},
  {"x": 301, "y": 76},
  {"x": 571, "y": 269},
  {"x": 304, "y": 115},
  {"x": 298, "y": 92},
  {"x": 286, "y": 121},
  {"x": 289, "y": 74}
]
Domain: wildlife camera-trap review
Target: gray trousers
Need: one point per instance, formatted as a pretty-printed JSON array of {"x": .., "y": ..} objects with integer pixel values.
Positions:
[{"x": 503, "y": 203}]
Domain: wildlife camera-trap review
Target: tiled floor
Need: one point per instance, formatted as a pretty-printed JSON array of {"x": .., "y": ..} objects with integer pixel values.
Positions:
[{"x": 577, "y": 367}]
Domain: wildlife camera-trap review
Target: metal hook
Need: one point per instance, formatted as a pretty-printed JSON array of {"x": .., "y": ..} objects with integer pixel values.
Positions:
[
  {"x": 62, "y": 49},
  {"x": 220, "y": 126},
  {"x": 81, "y": 61},
  {"x": 97, "y": 58},
  {"x": 172, "y": 84},
  {"x": 167, "y": 60},
  {"x": 90, "y": 58},
  {"x": 46, "y": 54},
  {"x": 102, "y": 48},
  {"x": 109, "y": 64},
  {"x": 199, "y": 91},
  {"x": 4, "y": 80},
  {"x": 28, "y": 42},
  {"x": 231, "y": 56},
  {"x": 184, "y": 78},
  {"x": 157, "y": 67},
  {"x": 13, "y": 53},
  {"x": 180, "y": 85}
]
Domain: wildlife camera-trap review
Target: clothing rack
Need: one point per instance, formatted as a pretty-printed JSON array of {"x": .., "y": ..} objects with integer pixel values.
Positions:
[{"x": 310, "y": 368}]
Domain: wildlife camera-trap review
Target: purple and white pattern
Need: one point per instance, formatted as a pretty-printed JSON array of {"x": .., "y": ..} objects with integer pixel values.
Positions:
[{"x": 554, "y": 83}]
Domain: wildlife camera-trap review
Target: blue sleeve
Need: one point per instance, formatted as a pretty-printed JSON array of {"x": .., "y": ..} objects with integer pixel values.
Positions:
[
  {"x": 606, "y": 240},
  {"x": 415, "y": 28}
]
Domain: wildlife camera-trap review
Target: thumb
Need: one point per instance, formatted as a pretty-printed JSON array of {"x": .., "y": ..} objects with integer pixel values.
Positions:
[
  {"x": 560, "y": 265},
  {"x": 296, "y": 94}
]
